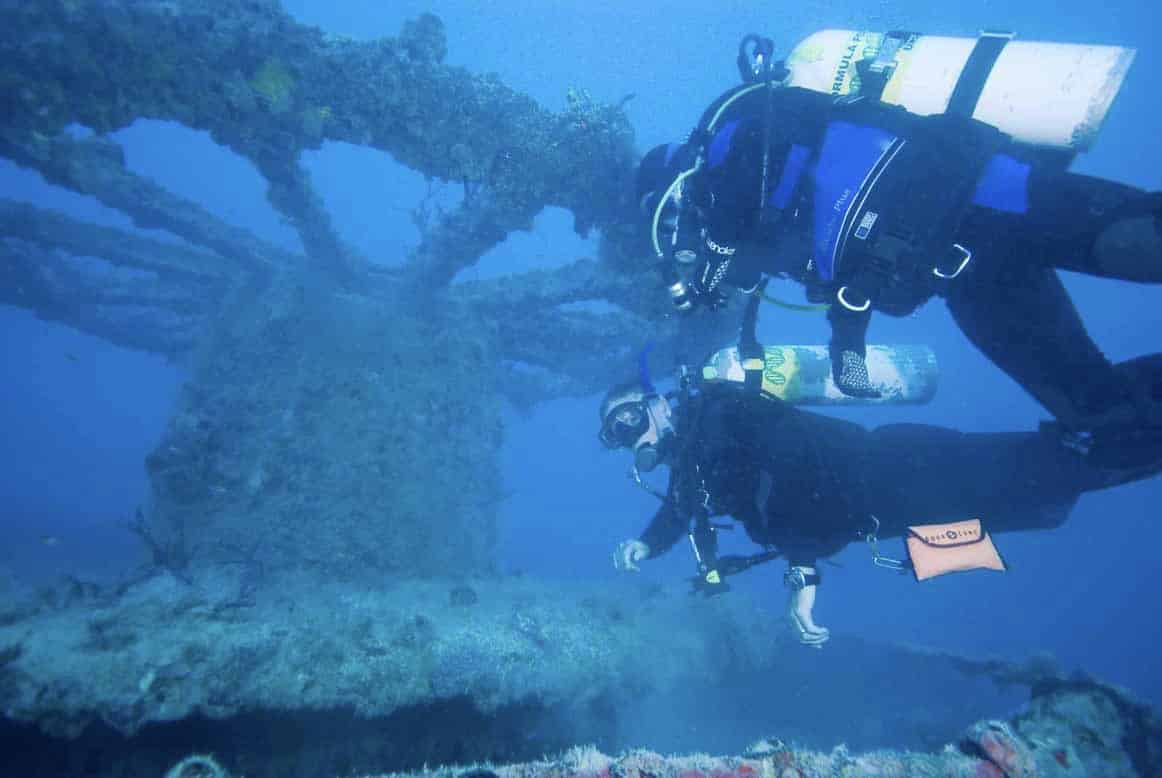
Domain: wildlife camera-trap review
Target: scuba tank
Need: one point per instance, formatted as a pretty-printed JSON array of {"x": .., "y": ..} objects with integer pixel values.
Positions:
[
  {"x": 1053, "y": 95},
  {"x": 801, "y": 375}
]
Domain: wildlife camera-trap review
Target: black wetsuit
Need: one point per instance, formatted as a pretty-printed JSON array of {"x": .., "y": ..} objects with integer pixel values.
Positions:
[
  {"x": 1011, "y": 303},
  {"x": 1016, "y": 209},
  {"x": 808, "y": 484}
]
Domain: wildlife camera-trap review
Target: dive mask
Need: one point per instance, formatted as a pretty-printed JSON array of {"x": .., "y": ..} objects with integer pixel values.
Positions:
[
  {"x": 624, "y": 424},
  {"x": 642, "y": 426}
]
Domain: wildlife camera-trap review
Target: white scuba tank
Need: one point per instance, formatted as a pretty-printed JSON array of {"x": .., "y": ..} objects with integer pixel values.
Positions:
[
  {"x": 801, "y": 375},
  {"x": 1043, "y": 94}
]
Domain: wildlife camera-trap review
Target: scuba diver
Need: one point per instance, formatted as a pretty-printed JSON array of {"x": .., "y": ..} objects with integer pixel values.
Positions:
[
  {"x": 873, "y": 207},
  {"x": 805, "y": 485}
]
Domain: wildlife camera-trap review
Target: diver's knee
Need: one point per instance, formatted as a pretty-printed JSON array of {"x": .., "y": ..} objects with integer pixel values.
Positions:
[{"x": 1130, "y": 247}]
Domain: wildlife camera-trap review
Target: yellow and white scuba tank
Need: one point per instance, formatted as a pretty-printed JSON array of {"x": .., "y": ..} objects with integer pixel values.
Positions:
[
  {"x": 801, "y": 375},
  {"x": 1043, "y": 94}
]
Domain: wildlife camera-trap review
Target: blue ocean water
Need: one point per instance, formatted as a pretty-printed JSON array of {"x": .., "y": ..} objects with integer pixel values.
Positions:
[{"x": 79, "y": 415}]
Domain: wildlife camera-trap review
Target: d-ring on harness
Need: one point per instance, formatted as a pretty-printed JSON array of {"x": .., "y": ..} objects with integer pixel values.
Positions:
[{"x": 878, "y": 559}]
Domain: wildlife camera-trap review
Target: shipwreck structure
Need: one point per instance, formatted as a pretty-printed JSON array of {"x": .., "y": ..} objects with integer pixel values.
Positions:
[{"x": 333, "y": 397}]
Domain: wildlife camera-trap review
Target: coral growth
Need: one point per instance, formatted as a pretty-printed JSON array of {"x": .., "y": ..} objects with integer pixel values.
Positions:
[
  {"x": 274, "y": 82},
  {"x": 197, "y": 766}
]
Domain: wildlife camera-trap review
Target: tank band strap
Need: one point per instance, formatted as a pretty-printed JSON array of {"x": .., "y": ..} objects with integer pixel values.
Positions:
[
  {"x": 750, "y": 352},
  {"x": 976, "y": 72}
]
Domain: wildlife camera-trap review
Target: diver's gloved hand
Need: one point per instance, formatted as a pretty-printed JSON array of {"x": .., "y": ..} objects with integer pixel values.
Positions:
[
  {"x": 800, "y": 605},
  {"x": 850, "y": 373},
  {"x": 628, "y": 554}
]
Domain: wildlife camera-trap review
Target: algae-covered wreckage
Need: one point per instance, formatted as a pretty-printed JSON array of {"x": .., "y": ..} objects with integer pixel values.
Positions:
[{"x": 297, "y": 617}]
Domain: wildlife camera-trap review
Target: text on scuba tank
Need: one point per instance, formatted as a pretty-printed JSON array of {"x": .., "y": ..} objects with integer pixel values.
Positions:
[{"x": 845, "y": 64}]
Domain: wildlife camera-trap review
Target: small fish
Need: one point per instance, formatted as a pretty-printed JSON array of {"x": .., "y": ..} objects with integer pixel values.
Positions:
[
  {"x": 70, "y": 356},
  {"x": 50, "y": 540}
]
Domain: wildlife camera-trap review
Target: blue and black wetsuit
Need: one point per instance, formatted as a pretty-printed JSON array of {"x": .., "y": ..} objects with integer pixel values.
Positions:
[{"x": 876, "y": 209}]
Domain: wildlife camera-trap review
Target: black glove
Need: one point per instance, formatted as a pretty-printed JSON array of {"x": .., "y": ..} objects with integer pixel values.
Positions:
[
  {"x": 714, "y": 300},
  {"x": 688, "y": 295},
  {"x": 850, "y": 373}
]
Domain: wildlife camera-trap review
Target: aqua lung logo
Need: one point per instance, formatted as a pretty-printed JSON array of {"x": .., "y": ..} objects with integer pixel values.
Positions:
[{"x": 952, "y": 535}]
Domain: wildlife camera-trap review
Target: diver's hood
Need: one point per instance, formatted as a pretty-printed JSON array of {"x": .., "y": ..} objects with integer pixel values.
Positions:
[
  {"x": 647, "y": 456},
  {"x": 656, "y": 442}
]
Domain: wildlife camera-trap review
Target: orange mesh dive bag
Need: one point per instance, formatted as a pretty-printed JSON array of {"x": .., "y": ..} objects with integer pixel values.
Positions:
[{"x": 936, "y": 549}]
